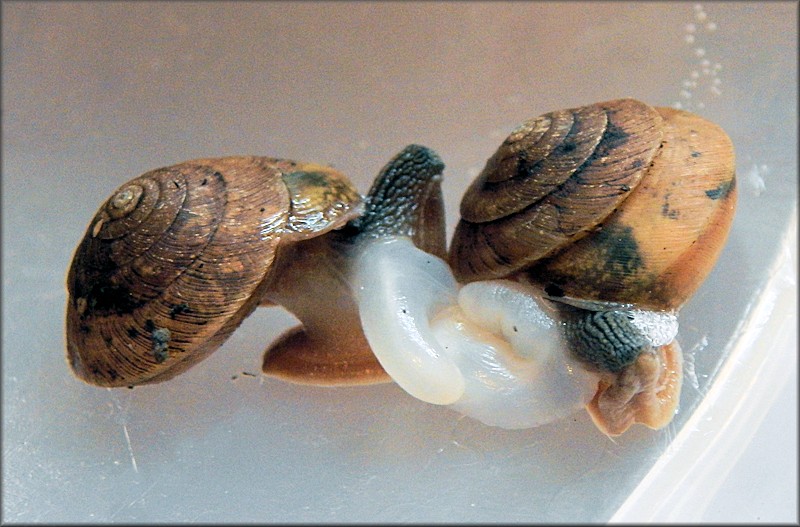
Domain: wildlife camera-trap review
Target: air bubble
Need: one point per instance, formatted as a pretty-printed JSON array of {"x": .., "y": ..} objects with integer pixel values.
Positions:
[
  {"x": 692, "y": 85},
  {"x": 755, "y": 179}
]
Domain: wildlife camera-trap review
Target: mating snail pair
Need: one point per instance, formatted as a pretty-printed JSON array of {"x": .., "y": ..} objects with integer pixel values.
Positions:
[{"x": 585, "y": 233}]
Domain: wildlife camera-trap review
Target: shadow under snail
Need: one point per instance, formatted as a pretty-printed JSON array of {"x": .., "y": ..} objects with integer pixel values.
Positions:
[{"x": 583, "y": 236}]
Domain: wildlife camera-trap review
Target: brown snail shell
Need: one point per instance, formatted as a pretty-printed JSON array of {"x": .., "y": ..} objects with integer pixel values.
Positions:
[
  {"x": 614, "y": 202},
  {"x": 176, "y": 258}
]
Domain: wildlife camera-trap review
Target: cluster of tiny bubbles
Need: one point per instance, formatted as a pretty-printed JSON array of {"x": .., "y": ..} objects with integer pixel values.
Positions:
[
  {"x": 703, "y": 79},
  {"x": 756, "y": 175},
  {"x": 690, "y": 373}
]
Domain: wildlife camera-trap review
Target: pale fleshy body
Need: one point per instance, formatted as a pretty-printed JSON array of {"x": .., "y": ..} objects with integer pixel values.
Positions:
[{"x": 491, "y": 350}]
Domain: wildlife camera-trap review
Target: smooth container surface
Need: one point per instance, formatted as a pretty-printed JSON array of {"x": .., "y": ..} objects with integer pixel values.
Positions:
[{"x": 95, "y": 94}]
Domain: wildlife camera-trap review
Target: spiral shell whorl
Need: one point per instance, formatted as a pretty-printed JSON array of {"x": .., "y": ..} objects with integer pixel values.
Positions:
[
  {"x": 552, "y": 181},
  {"x": 164, "y": 274}
]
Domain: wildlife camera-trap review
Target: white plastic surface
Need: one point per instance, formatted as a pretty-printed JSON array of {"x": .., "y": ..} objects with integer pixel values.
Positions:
[
  {"x": 685, "y": 480},
  {"x": 97, "y": 93}
]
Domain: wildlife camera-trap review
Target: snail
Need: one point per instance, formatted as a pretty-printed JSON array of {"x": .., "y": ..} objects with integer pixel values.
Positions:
[
  {"x": 175, "y": 260},
  {"x": 577, "y": 245}
]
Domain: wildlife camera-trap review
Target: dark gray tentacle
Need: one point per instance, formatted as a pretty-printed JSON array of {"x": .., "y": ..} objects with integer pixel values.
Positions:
[
  {"x": 607, "y": 340},
  {"x": 406, "y": 200}
]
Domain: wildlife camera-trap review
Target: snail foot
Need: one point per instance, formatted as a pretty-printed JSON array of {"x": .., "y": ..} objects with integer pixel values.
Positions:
[{"x": 296, "y": 358}]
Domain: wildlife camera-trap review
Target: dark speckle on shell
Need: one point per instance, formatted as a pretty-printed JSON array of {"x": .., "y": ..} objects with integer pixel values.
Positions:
[{"x": 722, "y": 190}]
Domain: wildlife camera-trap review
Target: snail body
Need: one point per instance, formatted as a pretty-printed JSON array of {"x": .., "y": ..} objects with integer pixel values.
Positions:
[{"x": 489, "y": 349}]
